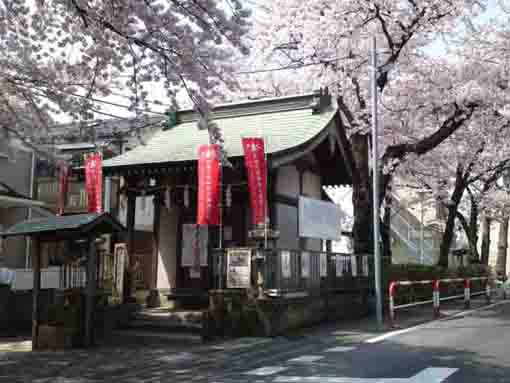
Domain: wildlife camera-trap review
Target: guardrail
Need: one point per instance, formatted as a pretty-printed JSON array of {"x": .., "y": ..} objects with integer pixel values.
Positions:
[
  {"x": 436, "y": 294},
  {"x": 58, "y": 277}
]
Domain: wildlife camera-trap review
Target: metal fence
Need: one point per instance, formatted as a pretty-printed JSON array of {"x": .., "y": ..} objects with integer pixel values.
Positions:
[
  {"x": 289, "y": 272},
  {"x": 56, "y": 277}
]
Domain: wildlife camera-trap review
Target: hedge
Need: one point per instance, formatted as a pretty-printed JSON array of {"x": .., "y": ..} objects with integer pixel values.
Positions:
[{"x": 416, "y": 272}]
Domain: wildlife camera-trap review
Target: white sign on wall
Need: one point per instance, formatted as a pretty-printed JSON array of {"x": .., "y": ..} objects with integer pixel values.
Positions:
[
  {"x": 339, "y": 264},
  {"x": 305, "y": 264},
  {"x": 323, "y": 266},
  {"x": 238, "y": 268},
  {"x": 319, "y": 219},
  {"x": 285, "y": 263},
  {"x": 354, "y": 266},
  {"x": 193, "y": 246}
]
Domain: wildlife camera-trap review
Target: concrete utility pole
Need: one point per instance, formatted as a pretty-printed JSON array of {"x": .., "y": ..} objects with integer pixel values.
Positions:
[
  {"x": 375, "y": 178},
  {"x": 422, "y": 239}
]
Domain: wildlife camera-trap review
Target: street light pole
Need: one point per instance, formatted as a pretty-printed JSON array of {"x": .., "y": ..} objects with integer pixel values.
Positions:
[
  {"x": 422, "y": 255},
  {"x": 375, "y": 178}
]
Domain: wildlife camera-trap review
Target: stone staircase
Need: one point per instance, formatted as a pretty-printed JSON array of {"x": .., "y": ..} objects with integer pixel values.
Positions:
[{"x": 164, "y": 324}]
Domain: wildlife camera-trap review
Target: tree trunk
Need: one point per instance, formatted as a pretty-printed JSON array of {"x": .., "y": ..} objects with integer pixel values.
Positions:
[
  {"x": 362, "y": 197},
  {"x": 446, "y": 241},
  {"x": 502, "y": 247},
  {"x": 473, "y": 230},
  {"x": 486, "y": 241},
  {"x": 472, "y": 241}
]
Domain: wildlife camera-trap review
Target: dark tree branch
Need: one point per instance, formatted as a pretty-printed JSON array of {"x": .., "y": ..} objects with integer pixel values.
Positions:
[
  {"x": 384, "y": 27},
  {"x": 449, "y": 126}
]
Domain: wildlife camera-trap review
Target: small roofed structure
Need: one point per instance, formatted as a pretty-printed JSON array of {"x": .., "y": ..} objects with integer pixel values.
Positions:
[{"x": 78, "y": 227}]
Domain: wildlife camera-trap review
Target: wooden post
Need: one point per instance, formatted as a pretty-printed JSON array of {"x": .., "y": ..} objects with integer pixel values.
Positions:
[
  {"x": 91, "y": 293},
  {"x": 36, "y": 267},
  {"x": 130, "y": 241},
  {"x": 155, "y": 241}
]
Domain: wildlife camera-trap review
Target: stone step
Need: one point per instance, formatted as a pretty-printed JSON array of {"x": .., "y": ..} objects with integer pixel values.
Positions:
[
  {"x": 159, "y": 326},
  {"x": 135, "y": 335},
  {"x": 161, "y": 320}
]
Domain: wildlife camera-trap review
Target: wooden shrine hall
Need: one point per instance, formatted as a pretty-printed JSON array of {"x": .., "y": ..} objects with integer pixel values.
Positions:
[{"x": 303, "y": 155}]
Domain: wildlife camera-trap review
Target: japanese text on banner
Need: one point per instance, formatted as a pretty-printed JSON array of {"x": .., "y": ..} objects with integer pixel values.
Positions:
[
  {"x": 255, "y": 162},
  {"x": 208, "y": 185},
  {"x": 94, "y": 182}
]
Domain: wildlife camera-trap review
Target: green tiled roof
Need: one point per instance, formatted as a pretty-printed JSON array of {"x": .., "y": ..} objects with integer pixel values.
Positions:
[
  {"x": 77, "y": 222},
  {"x": 284, "y": 123}
]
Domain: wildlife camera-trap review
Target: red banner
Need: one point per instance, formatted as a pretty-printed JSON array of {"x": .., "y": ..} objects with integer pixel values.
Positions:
[
  {"x": 255, "y": 162},
  {"x": 208, "y": 185},
  {"x": 94, "y": 182},
  {"x": 63, "y": 185}
]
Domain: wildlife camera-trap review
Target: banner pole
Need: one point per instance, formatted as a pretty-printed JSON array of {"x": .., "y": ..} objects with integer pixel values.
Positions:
[
  {"x": 267, "y": 199},
  {"x": 220, "y": 281}
]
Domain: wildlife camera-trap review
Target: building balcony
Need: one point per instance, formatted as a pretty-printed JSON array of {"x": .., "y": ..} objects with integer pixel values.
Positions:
[{"x": 47, "y": 191}]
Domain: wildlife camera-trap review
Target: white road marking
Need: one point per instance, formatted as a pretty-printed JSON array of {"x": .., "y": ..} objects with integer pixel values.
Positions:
[
  {"x": 433, "y": 375},
  {"x": 428, "y": 375},
  {"x": 341, "y": 349},
  {"x": 306, "y": 359},
  {"x": 391, "y": 334},
  {"x": 179, "y": 357},
  {"x": 265, "y": 371},
  {"x": 234, "y": 345}
]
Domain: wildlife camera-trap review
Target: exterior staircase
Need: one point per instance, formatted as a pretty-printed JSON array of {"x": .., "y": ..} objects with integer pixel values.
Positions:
[{"x": 164, "y": 324}]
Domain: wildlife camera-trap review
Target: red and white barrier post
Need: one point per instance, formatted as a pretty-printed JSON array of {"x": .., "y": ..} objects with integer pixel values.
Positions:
[
  {"x": 436, "y": 298},
  {"x": 392, "y": 290},
  {"x": 467, "y": 293},
  {"x": 488, "y": 290}
]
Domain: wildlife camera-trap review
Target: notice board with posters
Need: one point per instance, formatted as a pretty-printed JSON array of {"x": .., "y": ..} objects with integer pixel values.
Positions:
[{"x": 239, "y": 268}]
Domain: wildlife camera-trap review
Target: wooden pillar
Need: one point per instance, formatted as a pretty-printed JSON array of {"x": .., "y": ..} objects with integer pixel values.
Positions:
[
  {"x": 130, "y": 241},
  {"x": 36, "y": 267},
  {"x": 91, "y": 293},
  {"x": 155, "y": 240},
  {"x": 130, "y": 221}
]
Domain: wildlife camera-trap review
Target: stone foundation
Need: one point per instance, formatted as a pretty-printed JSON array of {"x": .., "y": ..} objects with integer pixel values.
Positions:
[{"x": 236, "y": 313}]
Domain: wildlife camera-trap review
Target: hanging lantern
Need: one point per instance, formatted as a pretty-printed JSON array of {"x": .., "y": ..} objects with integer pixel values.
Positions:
[{"x": 186, "y": 196}]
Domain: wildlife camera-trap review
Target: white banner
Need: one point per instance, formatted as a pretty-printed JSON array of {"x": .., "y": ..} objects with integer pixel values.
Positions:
[
  {"x": 285, "y": 263},
  {"x": 323, "y": 265},
  {"x": 339, "y": 264},
  {"x": 120, "y": 259},
  {"x": 354, "y": 266},
  {"x": 319, "y": 219},
  {"x": 365, "y": 265},
  {"x": 305, "y": 264},
  {"x": 189, "y": 245}
]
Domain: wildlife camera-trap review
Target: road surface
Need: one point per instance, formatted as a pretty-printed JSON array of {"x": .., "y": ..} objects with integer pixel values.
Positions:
[{"x": 473, "y": 348}]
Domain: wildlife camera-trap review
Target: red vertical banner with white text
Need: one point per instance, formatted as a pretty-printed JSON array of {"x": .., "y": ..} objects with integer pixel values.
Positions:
[
  {"x": 256, "y": 167},
  {"x": 94, "y": 182},
  {"x": 63, "y": 186},
  {"x": 208, "y": 185}
]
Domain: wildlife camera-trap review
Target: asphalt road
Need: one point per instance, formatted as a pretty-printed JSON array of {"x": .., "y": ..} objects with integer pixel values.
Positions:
[{"x": 467, "y": 349}]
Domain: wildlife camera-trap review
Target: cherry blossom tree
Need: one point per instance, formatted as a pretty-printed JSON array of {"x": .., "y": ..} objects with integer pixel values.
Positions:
[
  {"x": 329, "y": 42},
  {"x": 65, "y": 56},
  {"x": 471, "y": 161}
]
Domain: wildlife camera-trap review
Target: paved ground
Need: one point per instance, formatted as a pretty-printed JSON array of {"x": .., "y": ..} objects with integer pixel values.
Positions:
[{"x": 464, "y": 348}]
